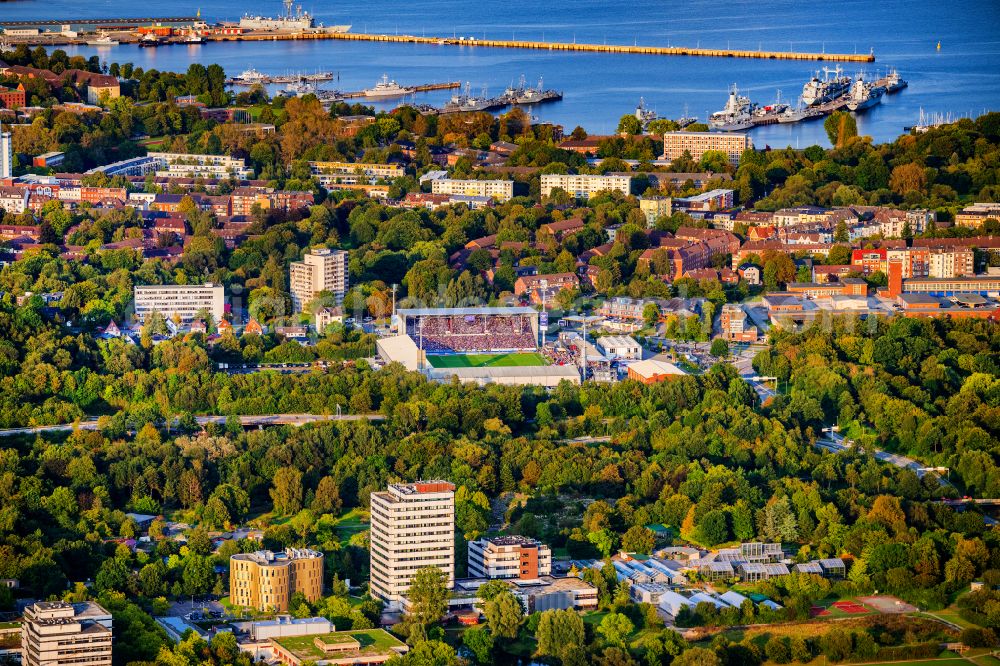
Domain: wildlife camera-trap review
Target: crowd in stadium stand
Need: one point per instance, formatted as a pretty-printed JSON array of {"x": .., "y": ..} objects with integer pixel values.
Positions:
[
  {"x": 560, "y": 355},
  {"x": 472, "y": 333}
]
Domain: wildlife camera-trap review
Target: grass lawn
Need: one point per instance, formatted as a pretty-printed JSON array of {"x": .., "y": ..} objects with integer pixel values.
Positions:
[
  {"x": 946, "y": 658},
  {"x": 351, "y": 523},
  {"x": 950, "y": 615},
  {"x": 486, "y": 360},
  {"x": 155, "y": 141},
  {"x": 986, "y": 660}
]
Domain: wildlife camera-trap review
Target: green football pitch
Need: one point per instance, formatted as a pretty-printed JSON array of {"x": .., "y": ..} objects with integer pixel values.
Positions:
[{"x": 485, "y": 360}]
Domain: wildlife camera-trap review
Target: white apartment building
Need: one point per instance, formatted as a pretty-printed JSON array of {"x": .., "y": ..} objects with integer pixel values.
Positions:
[
  {"x": 509, "y": 557},
  {"x": 501, "y": 190},
  {"x": 13, "y": 200},
  {"x": 321, "y": 269},
  {"x": 6, "y": 155},
  {"x": 353, "y": 173},
  {"x": 189, "y": 165},
  {"x": 698, "y": 143},
  {"x": 412, "y": 527},
  {"x": 183, "y": 300},
  {"x": 583, "y": 186},
  {"x": 58, "y": 633},
  {"x": 891, "y": 226},
  {"x": 950, "y": 263}
]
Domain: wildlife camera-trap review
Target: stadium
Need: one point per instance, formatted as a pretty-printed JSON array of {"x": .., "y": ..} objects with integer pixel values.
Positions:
[{"x": 479, "y": 345}]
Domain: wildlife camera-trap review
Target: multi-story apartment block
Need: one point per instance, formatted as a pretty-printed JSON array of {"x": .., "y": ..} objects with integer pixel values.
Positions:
[
  {"x": 584, "y": 186},
  {"x": 509, "y": 557},
  {"x": 975, "y": 215},
  {"x": 916, "y": 262},
  {"x": 58, "y": 633},
  {"x": 6, "y": 155},
  {"x": 718, "y": 199},
  {"x": 501, "y": 190},
  {"x": 183, "y": 300},
  {"x": 412, "y": 527},
  {"x": 951, "y": 263},
  {"x": 266, "y": 580},
  {"x": 892, "y": 222},
  {"x": 736, "y": 325},
  {"x": 698, "y": 143},
  {"x": 188, "y": 165},
  {"x": 330, "y": 174},
  {"x": 655, "y": 207},
  {"x": 788, "y": 217},
  {"x": 321, "y": 269},
  {"x": 627, "y": 309}
]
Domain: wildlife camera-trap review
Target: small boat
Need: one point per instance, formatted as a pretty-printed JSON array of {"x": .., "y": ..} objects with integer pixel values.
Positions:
[
  {"x": 149, "y": 40},
  {"x": 386, "y": 88},
  {"x": 103, "y": 40},
  {"x": 194, "y": 38}
]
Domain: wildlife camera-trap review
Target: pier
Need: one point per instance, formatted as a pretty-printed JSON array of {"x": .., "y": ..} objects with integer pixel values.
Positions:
[
  {"x": 52, "y": 38},
  {"x": 564, "y": 46}
]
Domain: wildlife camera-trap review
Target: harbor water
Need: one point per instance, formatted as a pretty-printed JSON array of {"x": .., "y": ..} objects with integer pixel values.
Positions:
[{"x": 960, "y": 78}]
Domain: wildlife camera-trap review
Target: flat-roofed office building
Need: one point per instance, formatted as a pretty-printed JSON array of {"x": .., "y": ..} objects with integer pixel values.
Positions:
[
  {"x": 509, "y": 557},
  {"x": 184, "y": 300},
  {"x": 412, "y": 527},
  {"x": 58, "y": 633}
]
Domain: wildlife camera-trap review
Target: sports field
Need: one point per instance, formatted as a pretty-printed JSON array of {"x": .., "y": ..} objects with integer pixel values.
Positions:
[{"x": 486, "y": 360}]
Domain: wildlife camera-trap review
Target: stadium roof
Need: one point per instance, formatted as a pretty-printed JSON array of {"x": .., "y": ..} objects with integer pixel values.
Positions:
[
  {"x": 535, "y": 375},
  {"x": 445, "y": 312},
  {"x": 514, "y": 371}
]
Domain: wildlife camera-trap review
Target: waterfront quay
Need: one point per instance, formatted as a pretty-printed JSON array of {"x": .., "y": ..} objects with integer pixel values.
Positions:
[{"x": 127, "y": 31}]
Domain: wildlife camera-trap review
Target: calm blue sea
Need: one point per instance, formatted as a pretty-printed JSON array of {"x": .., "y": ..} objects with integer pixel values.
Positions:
[{"x": 962, "y": 78}]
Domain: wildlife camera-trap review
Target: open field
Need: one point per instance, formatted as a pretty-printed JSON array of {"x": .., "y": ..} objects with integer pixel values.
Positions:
[{"x": 486, "y": 360}]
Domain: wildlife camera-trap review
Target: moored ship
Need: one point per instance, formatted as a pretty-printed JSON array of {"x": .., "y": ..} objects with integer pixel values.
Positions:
[
  {"x": 522, "y": 94},
  {"x": 737, "y": 114},
  {"x": 864, "y": 95},
  {"x": 103, "y": 40},
  {"x": 798, "y": 114},
  {"x": 293, "y": 20},
  {"x": 894, "y": 82},
  {"x": 386, "y": 88},
  {"x": 818, "y": 91},
  {"x": 644, "y": 115}
]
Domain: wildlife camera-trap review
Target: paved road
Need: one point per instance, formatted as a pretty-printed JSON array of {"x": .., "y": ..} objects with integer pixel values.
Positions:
[
  {"x": 247, "y": 421},
  {"x": 835, "y": 442}
]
